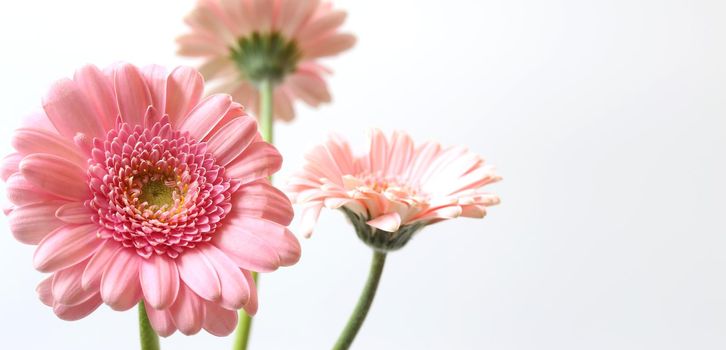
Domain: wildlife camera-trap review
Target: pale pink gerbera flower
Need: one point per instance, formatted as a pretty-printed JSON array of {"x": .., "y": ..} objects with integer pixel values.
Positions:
[
  {"x": 248, "y": 42},
  {"x": 135, "y": 190},
  {"x": 394, "y": 189}
]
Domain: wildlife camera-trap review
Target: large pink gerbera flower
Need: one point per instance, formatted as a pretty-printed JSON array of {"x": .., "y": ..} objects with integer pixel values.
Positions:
[
  {"x": 395, "y": 189},
  {"x": 245, "y": 42},
  {"x": 135, "y": 190}
]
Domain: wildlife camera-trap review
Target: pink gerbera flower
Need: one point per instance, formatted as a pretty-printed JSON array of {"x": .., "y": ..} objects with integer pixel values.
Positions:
[
  {"x": 246, "y": 42},
  {"x": 395, "y": 189},
  {"x": 135, "y": 190}
]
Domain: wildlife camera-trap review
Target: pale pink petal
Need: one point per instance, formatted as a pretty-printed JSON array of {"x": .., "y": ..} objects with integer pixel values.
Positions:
[
  {"x": 120, "y": 287},
  {"x": 132, "y": 94},
  {"x": 309, "y": 87},
  {"x": 234, "y": 288},
  {"x": 56, "y": 176},
  {"x": 70, "y": 111},
  {"x": 205, "y": 116},
  {"x": 251, "y": 306},
  {"x": 74, "y": 213},
  {"x": 246, "y": 249},
  {"x": 77, "y": 312},
  {"x": 282, "y": 105},
  {"x": 66, "y": 246},
  {"x": 328, "y": 46},
  {"x": 67, "y": 288},
  {"x": 29, "y": 140},
  {"x": 161, "y": 321},
  {"x": 9, "y": 165},
  {"x": 188, "y": 311},
  {"x": 232, "y": 139},
  {"x": 159, "y": 281},
  {"x": 259, "y": 160},
  {"x": 99, "y": 90},
  {"x": 155, "y": 78},
  {"x": 45, "y": 291},
  {"x": 260, "y": 199},
  {"x": 97, "y": 265},
  {"x": 219, "y": 321},
  {"x": 276, "y": 236},
  {"x": 321, "y": 26},
  {"x": 199, "y": 45},
  {"x": 389, "y": 222},
  {"x": 199, "y": 275},
  {"x": 31, "y": 223},
  {"x": 21, "y": 192},
  {"x": 184, "y": 88}
]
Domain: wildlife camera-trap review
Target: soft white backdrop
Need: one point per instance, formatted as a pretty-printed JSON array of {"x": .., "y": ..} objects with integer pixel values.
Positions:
[{"x": 606, "y": 119}]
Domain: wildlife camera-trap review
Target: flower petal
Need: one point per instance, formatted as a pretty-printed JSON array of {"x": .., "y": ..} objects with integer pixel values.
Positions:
[
  {"x": 251, "y": 306},
  {"x": 234, "y": 288},
  {"x": 199, "y": 274},
  {"x": 94, "y": 270},
  {"x": 161, "y": 321},
  {"x": 389, "y": 222},
  {"x": 30, "y": 140},
  {"x": 68, "y": 109},
  {"x": 232, "y": 139},
  {"x": 77, "y": 312},
  {"x": 132, "y": 94},
  {"x": 261, "y": 199},
  {"x": 31, "y": 223},
  {"x": 259, "y": 160},
  {"x": 159, "y": 281},
  {"x": 187, "y": 311},
  {"x": 66, "y": 246},
  {"x": 56, "y": 176},
  {"x": 205, "y": 116},
  {"x": 99, "y": 90},
  {"x": 184, "y": 88},
  {"x": 67, "y": 288},
  {"x": 74, "y": 213},
  {"x": 247, "y": 250},
  {"x": 219, "y": 321},
  {"x": 21, "y": 192},
  {"x": 120, "y": 287},
  {"x": 9, "y": 165}
]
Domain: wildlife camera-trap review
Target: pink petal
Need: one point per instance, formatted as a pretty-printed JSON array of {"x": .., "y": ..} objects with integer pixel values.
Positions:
[
  {"x": 120, "y": 287},
  {"x": 133, "y": 96},
  {"x": 66, "y": 246},
  {"x": 199, "y": 45},
  {"x": 310, "y": 216},
  {"x": 45, "y": 291},
  {"x": 282, "y": 105},
  {"x": 205, "y": 116},
  {"x": 235, "y": 291},
  {"x": 328, "y": 46},
  {"x": 21, "y": 192},
  {"x": 251, "y": 306},
  {"x": 247, "y": 250},
  {"x": 28, "y": 141},
  {"x": 276, "y": 236},
  {"x": 187, "y": 311},
  {"x": 56, "y": 176},
  {"x": 67, "y": 288},
  {"x": 159, "y": 281},
  {"x": 70, "y": 112},
  {"x": 31, "y": 223},
  {"x": 199, "y": 274},
  {"x": 155, "y": 78},
  {"x": 309, "y": 87},
  {"x": 260, "y": 199},
  {"x": 74, "y": 213},
  {"x": 77, "y": 312},
  {"x": 99, "y": 89},
  {"x": 184, "y": 88},
  {"x": 293, "y": 14},
  {"x": 9, "y": 165},
  {"x": 161, "y": 321},
  {"x": 94, "y": 270},
  {"x": 219, "y": 321},
  {"x": 389, "y": 222},
  {"x": 259, "y": 160},
  {"x": 232, "y": 139},
  {"x": 321, "y": 26}
]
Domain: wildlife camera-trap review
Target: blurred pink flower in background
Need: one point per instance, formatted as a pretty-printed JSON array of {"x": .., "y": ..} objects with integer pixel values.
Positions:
[
  {"x": 135, "y": 189},
  {"x": 246, "y": 41},
  {"x": 395, "y": 188}
]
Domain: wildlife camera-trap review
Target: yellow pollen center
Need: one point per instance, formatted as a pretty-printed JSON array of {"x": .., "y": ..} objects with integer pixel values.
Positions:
[{"x": 157, "y": 193}]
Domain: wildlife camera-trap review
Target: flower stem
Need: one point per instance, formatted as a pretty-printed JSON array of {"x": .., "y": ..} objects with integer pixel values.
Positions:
[
  {"x": 364, "y": 302},
  {"x": 266, "y": 88},
  {"x": 149, "y": 339}
]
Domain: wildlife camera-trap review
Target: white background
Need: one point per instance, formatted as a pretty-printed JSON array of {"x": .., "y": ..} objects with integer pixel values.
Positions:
[{"x": 606, "y": 119}]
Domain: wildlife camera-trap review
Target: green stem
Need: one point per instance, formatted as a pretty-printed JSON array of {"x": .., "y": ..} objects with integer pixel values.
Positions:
[
  {"x": 149, "y": 339},
  {"x": 266, "y": 89},
  {"x": 364, "y": 302}
]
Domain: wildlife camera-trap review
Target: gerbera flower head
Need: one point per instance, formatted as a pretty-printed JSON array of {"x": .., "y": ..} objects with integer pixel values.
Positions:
[
  {"x": 393, "y": 190},
  {"x": 135, "y": 189},
  {"x": 247, "y": 42}
]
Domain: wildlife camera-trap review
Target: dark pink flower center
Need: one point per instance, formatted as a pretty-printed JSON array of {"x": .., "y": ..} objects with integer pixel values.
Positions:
[{"x": 157, "y": 190}]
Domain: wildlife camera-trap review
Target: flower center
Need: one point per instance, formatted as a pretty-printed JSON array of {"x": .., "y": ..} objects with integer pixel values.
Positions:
[
  {"x": 156, "y": 190},
  {"x": 265, "y": 56},
  {"x": 157, "y": 193}
]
